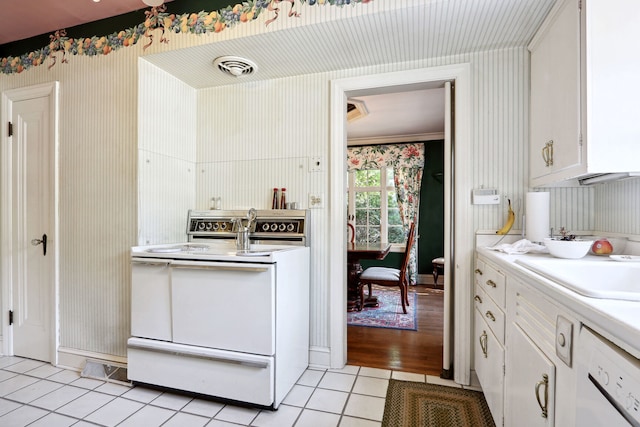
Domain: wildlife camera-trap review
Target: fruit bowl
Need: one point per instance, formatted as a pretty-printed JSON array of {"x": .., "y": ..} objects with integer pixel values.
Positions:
[{"x": 571, "y": 249}]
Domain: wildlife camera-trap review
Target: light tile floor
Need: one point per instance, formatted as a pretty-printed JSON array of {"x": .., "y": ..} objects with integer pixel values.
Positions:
[{"x": 37, "y": 394}]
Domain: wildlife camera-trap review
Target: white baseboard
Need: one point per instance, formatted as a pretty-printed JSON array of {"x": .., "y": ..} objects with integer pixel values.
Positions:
[
  {"x": 319, "y": 357},
  {"x": 70, "y": 358}
]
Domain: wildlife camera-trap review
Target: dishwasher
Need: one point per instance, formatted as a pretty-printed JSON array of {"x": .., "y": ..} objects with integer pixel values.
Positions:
[{"x": 608, "y": 384}]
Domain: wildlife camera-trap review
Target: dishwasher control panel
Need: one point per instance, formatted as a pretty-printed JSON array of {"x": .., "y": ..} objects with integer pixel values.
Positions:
[{"x": 616, "y": 375}]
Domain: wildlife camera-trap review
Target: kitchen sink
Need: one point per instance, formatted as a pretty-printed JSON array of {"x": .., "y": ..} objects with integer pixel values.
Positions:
[{"x": 591, "y": 277}]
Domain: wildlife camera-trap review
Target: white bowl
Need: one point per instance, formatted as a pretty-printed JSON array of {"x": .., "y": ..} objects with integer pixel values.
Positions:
[{"x": 572, "y": 249}]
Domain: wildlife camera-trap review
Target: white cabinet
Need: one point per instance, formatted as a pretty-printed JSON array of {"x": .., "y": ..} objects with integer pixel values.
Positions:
[
  {"x": 525, "y": 378},
  {"x": 151, "y": 317},
  {"x": 530, "y": 379},
  {"x": 489, "y": 332},
  {"x": 583, "y": 108}
]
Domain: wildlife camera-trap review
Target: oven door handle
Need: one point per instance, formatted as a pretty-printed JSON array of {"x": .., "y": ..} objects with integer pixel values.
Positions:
[
  {"x": 156, "y": 349},
  {"x": 213, "y": 267}
]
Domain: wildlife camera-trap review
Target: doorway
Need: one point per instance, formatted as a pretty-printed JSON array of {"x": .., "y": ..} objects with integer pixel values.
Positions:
[
  {"x": 403, "y": 117},
  {"x": 458, "y": 223},
  {"x": 29, "y": 222}
]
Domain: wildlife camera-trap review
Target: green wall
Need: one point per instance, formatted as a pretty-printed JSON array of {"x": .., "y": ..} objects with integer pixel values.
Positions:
[{"x": 431, "y": 223}]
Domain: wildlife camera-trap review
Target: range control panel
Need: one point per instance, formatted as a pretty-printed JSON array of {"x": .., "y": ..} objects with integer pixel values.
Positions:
[{"x": 282, "y": 225}]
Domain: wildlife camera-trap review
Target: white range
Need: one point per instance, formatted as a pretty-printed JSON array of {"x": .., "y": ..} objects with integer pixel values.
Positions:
[{"x": 210, "y": 320}]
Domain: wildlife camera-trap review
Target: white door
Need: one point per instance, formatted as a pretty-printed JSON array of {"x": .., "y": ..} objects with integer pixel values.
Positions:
[{"x": 32, "y": 232}]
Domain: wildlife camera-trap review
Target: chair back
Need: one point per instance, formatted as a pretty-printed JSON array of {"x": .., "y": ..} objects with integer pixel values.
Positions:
[{"x": 407, "y": 251}]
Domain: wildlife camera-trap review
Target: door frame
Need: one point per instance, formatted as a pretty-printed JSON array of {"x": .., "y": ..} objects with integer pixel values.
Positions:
[
  {"x": 459, "y": 233},
  {"x": 51, "y": 91}
]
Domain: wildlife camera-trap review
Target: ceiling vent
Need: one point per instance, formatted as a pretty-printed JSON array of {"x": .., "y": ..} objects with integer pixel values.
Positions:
[
  {"x": 356, "y": 109},
  {"x": 235, "y": 66}
]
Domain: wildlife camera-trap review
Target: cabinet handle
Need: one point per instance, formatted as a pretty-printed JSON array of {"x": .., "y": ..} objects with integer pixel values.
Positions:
[
  {"x": 547, "y": 153},
  {"x": 483, "y": 343},
  {"x": 477, "y": 298},
  {"x": 490, "y": 315},
  {"x": 478, "y": 271},
  {"x": 544, "y": 406},
  {"x": 491, "y": 283}
]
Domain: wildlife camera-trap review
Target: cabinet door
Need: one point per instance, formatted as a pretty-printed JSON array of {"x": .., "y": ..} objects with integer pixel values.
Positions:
[
  {"x": 489, "y": 365},
  {"x": 555, "y": 96},
  {"x": 529, "y": 382}
]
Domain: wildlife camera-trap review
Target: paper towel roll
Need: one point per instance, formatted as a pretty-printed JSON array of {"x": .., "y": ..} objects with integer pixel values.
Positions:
[{"x": 537, "y": 216}]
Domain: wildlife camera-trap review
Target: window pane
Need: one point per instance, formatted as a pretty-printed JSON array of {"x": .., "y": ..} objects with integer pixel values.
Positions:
[
  {"x": 396, "y": 234},
  {"x": 390, "y": 177},
  {"x": 361, "y": 234},
  {"x": 374, "y": 199},
  {"x": 393, "y": 217},
  {"x": 361, "y": 200},
  {"x": 374, "y": 178},
  {"x": 374, "y": 217},
  {"x": 361, "y": 217},
  {"x": 374, "y": 235},
  {"x": 392, "y": 200}
]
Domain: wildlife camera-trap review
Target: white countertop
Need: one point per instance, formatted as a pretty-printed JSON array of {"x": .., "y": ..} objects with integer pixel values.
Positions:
[{"x": 617, "y": 320}]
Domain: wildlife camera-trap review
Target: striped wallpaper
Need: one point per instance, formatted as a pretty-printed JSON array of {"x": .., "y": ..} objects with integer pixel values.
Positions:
[{"x": 138, "y": 147}]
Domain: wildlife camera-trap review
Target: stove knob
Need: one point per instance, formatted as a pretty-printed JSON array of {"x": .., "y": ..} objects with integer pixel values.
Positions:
[
  {"x": 209, "y": 226},
  {"x": 223, "y": 226},
  {"x": 282, "y": 227},
  {"x": 265, "y": 227},
  {"x": 201, "y": 226},
  {"x": 215, "y": 225},
  {"x": 290, "y": 227},
  {"x": 274, "y": 227}
]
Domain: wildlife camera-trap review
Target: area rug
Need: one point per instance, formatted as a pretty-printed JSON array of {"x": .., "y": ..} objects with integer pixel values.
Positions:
[
  {"x": 429, "y": 405},
  {"x": 389, "y": 313}
]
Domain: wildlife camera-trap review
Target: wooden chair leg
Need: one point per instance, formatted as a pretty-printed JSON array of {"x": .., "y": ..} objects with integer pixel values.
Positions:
[
  {"x": 406, "y": 291},
  {"x": 403, "y": 296},
  {"x": 361, "y": 296}
]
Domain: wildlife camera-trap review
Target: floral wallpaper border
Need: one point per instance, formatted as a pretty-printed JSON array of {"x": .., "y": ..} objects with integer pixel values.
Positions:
[{"x": 156, "y": 18}]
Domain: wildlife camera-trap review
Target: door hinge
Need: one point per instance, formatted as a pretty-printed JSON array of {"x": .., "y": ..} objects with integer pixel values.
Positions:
[
  {"x": 10, "y": 317},
  {"x": 10, "y": 129}
]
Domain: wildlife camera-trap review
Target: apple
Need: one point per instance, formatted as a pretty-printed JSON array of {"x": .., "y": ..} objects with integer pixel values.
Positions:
[{"x": 602, "y": 247}]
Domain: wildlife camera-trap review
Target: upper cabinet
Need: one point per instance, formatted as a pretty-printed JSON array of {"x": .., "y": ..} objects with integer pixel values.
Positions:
[{"x": 584, "y": 114}]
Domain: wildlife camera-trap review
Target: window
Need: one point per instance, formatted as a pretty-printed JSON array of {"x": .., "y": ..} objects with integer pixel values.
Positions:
[{"x": 372, "y": 202}]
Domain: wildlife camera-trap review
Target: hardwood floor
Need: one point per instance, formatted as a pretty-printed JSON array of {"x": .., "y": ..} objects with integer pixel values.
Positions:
[{"x": 410, "y": 351}]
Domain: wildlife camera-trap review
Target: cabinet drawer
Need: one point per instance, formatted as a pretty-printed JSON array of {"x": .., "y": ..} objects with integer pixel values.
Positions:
[
  {"x": 493, "y": 316},
  {"x": 489, "y": 364},
  {"x": 492, "y": 281}
]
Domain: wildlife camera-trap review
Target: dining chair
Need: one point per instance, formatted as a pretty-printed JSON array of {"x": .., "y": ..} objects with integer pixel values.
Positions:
[{"x": 387, "y": 276}]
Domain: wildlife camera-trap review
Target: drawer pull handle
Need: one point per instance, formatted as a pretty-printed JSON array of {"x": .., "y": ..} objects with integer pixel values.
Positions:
[
  {"x": 478, "y": 271},
  {"x": 477, "y": 298},
  {"x": 491, "y": 283},
  {"x": 543, "y": 382},
  {"x": 490, "y": 315}
]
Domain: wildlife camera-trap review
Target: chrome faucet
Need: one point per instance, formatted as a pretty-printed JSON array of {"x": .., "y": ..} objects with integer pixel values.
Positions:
[{"x": 243, "y": 231}]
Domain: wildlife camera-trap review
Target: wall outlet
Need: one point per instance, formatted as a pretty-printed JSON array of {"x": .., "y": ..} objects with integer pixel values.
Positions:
[
  {"x": 316, "y": 164},
  {"x": 316, "y": 201}
]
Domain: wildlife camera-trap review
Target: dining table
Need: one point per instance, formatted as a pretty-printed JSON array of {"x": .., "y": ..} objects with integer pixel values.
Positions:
[{"x": 355, "y": 253}]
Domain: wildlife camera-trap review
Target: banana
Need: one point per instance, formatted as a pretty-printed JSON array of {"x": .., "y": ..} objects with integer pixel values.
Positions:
[{"x": 511, "y": 217}]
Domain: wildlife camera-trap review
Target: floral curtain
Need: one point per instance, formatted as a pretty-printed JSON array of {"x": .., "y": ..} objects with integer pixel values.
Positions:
[{"x": 407, "y": 161}]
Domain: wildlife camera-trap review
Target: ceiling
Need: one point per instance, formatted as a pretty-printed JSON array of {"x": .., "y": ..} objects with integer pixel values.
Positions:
[
  {"x": 412, "y": 31},
  {"x": 417, "y": 113},
  {"x": 21, "y": 19}
]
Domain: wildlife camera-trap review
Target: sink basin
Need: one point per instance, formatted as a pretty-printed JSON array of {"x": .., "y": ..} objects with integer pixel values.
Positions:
[{"x": 603, "y": 279}]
